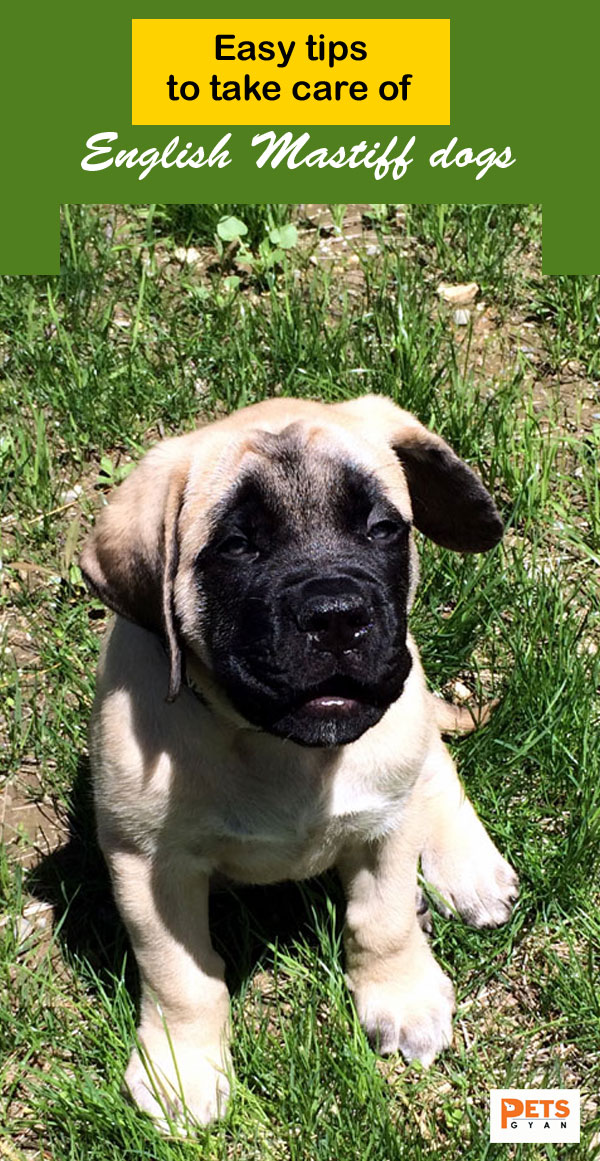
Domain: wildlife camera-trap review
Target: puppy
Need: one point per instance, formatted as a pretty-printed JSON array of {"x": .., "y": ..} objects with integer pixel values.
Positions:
[{"x": 261, "y": 712}]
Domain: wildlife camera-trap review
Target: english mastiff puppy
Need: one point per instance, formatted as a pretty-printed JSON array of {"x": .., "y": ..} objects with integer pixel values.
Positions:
[{"x": 261, "y": 713}]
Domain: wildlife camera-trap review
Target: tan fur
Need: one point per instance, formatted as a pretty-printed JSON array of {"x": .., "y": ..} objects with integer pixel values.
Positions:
[
  {"x": 186, "y": 790},
  {"x": 460, "y": 719}
]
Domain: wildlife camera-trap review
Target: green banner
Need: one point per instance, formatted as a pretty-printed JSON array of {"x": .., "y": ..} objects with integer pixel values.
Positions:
[{"x": 522, "y": 107}]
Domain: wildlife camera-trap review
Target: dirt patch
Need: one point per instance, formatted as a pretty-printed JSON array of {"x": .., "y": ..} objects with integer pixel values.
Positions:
[{"x": 30, "y": 828}]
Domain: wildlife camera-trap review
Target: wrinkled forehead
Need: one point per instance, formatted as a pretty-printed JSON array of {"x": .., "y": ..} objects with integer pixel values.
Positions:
[{"x": 310, "y": 470}]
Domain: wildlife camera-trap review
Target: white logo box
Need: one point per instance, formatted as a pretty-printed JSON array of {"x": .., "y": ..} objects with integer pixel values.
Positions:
[{"x": 534, "y": 1114}]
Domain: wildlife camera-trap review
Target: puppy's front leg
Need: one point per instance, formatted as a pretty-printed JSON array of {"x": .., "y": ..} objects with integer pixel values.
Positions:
[
  {"x": 181, "y": 1073},
  {"x": 404, "y": 1000},
  {"x": 459, "y": 859}
]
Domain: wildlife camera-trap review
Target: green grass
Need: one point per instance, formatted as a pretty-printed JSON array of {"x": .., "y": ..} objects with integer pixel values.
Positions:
[
  {"x": 196, "y": 224},
  {"x": 569, "y": 310},
  {"x": 480, "y": 243},
  {"x": 131, "y": 342}
]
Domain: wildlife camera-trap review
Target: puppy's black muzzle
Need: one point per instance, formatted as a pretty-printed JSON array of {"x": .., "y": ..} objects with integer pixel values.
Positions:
[{"x": 336, "y": 613}]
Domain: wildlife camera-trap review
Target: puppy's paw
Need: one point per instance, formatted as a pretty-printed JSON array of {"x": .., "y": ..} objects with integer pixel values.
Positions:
[
  {"x": 178, "y": 1086},
  {"x": 470, "y": 877},
  {"x": 411, "y": 1014}
]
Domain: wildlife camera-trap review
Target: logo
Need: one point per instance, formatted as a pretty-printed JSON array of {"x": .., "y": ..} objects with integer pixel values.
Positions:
[{"x": 534, "y": 1114}]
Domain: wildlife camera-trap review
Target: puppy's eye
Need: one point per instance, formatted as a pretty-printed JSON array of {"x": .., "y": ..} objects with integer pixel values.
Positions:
[
  {"x": 236, "y": 545},
  {"x": 383, "y": 530}
]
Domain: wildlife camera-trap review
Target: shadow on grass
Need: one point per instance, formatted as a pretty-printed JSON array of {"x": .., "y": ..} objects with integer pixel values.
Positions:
[{"x": 244, "y": 921}]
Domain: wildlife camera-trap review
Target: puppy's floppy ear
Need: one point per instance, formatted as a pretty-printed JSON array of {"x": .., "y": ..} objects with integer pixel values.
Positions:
[
  {"x": 449, "y": 502},
  {"x": 130, "y": 559}
]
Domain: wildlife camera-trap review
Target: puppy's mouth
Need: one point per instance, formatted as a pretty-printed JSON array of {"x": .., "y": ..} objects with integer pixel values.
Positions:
[
  {"x": 336, "y": 698},
  {"x": 332, "y": 711},
  {"x": 329, "y": 704}
]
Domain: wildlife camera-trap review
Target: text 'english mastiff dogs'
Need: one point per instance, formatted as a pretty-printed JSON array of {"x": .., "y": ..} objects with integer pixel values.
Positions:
[{"x": 261, "y": 713}]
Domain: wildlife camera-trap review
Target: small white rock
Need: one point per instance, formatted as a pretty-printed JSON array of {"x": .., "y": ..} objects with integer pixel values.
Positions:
[
  {"x": 72, "y": 494},
  {"x": 189, "y": 254},
  {"x": 461, "y": 294}
]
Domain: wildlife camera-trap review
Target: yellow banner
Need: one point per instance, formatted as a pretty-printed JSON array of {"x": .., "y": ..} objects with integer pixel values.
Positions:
[{"x": 290, "y": 72}]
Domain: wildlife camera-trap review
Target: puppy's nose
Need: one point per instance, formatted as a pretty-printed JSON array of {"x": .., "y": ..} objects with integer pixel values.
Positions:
[{"x": 335, "y": 624}]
